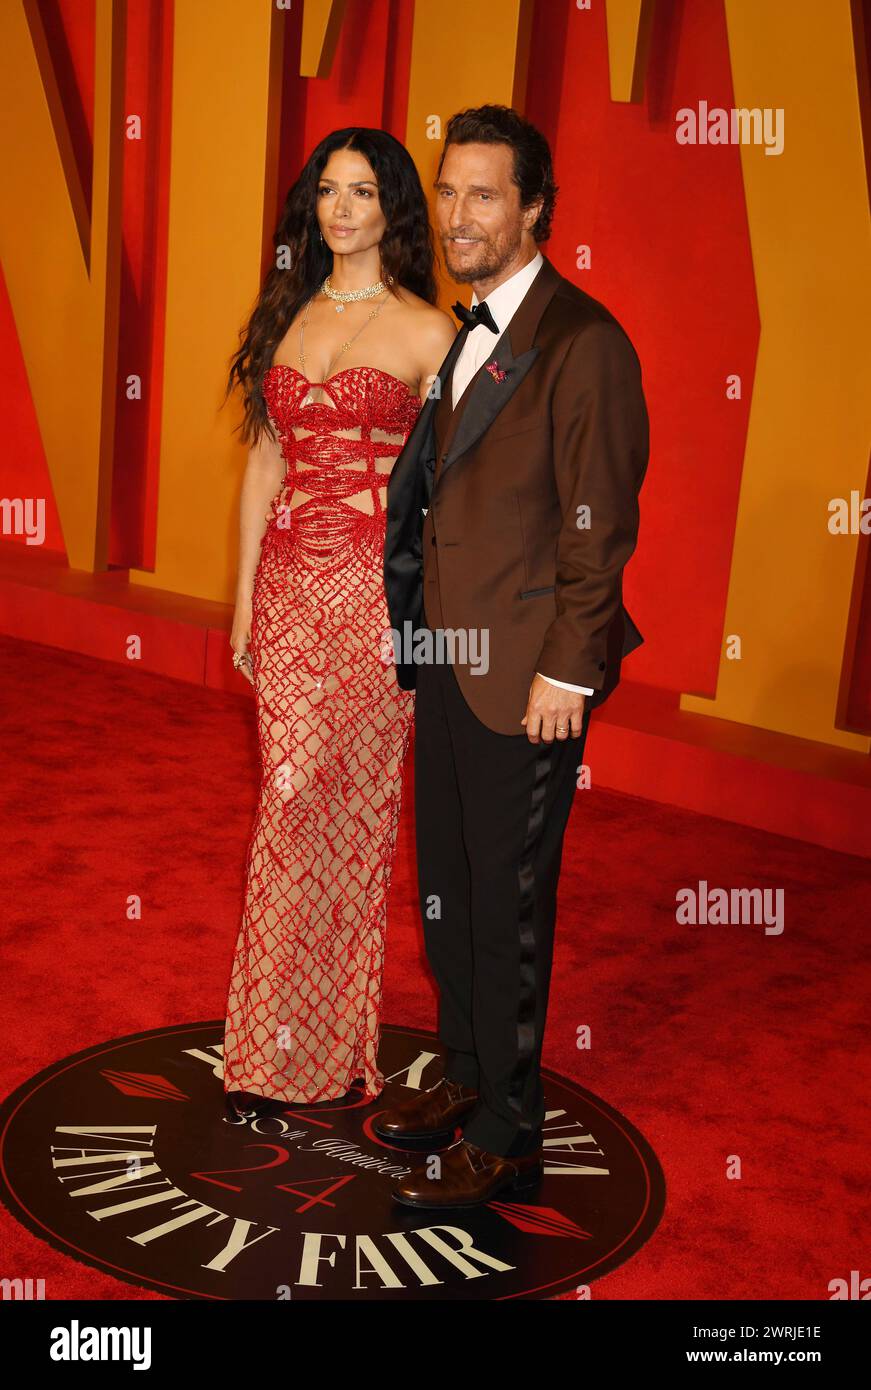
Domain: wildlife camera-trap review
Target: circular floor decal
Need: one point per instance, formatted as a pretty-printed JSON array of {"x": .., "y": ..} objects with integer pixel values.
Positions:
[{"x": 122, "y": 1157}]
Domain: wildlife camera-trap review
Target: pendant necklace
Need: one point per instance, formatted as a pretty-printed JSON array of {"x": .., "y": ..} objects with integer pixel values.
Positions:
[{"x": 373, "y": 313}]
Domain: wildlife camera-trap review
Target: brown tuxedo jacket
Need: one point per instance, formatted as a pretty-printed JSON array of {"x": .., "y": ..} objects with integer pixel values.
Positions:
[{"x": 517, "y": 511}]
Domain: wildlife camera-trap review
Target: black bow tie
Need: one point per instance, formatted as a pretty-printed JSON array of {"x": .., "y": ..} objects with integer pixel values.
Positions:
[{"x": 472, "y": 317}]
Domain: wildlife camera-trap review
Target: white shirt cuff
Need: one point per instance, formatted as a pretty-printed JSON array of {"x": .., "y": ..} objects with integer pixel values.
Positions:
[{"x": 564, "y": 685}]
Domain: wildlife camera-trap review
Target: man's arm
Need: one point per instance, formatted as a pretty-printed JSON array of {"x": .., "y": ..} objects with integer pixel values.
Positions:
[{"x": 600, "y": 450}]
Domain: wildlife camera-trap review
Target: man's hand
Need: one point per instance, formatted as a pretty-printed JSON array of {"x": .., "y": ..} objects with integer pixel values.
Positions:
[{"x": 552, "y": 713}]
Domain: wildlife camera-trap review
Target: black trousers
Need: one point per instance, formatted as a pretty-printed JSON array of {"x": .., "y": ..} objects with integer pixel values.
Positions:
[{"x": 491, "y": 811}]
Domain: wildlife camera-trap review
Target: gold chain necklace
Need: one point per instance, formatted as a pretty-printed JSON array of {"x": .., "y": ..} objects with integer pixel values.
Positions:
[{"x": 373, "y": 313}]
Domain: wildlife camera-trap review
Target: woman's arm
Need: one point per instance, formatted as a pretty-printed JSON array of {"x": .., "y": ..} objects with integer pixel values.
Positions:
[{"x": 264, "y": 473}]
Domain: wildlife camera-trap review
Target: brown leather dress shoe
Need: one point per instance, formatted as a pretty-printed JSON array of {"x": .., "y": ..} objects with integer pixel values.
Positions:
[
  {"x": 429, "y": 1114},
  {"x": 469, "y": 1175}
]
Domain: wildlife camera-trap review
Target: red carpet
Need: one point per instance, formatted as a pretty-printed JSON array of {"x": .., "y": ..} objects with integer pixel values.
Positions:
[{"x": 715, "y": 1041}]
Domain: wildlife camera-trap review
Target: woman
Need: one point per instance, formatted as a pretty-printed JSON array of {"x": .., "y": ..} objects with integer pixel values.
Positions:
[{"x": 340, "y": 350}]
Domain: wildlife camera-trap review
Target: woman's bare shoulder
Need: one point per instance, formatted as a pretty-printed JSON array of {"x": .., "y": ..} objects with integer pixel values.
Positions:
[
  {"x": 422, "y": 313},
  {"x": 429, "y": 324},
  {"x": 424, "y": 333}
]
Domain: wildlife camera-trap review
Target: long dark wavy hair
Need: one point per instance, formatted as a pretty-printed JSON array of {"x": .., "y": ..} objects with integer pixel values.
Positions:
[{"x": 406, "y": 254}]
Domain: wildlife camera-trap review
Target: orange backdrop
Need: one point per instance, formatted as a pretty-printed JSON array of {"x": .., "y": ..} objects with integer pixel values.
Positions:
[{"x": 147, "y": 146}]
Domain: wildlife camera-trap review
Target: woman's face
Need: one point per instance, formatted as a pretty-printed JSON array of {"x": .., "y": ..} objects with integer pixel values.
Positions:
[{"x": 348, "y": 209}]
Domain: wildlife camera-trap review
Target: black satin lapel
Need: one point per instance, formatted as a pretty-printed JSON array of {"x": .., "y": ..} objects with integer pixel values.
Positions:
[
  {"x": 408, "y": 490},
  {"x": 631, "y": 636},
  {"x": 488, "y": 396}
]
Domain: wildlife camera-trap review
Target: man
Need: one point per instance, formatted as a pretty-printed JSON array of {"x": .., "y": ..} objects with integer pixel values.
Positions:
[{"x": 512, "y": 511}]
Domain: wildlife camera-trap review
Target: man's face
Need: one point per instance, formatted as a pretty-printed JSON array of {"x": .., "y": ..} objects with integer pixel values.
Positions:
[{"x": 481, "y": 224}]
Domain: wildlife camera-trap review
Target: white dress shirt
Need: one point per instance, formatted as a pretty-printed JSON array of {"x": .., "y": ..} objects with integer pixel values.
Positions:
[{"x": 503, "y": 302}]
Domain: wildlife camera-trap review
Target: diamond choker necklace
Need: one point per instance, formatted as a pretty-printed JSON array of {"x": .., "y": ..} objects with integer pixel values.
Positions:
[{"x": 343, "y": 297}]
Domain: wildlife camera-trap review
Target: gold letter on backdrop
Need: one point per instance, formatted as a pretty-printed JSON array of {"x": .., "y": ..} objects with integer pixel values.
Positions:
[
  {"x": 629, "y": 26},
  {"x": 224, "y": 100},
  {"x": 62, "y": 267},
  {"x": 462, "y": 54},
  {"x": 321, "y": 23},
  {"x": 791, "y": 580}
]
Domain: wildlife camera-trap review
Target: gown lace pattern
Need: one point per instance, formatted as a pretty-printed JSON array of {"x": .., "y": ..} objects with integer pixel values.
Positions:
[{"x": 303, "y": 1011}]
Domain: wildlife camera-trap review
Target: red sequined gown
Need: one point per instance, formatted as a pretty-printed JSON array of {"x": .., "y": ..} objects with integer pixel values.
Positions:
[{"x": 333, "y": 725}]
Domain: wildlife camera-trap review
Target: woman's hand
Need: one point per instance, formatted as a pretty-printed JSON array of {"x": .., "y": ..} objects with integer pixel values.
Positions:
[
  {"x": 262, "y": 482},
  {"x": 240, "y": 637}
]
